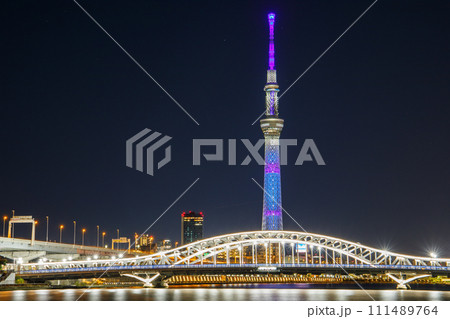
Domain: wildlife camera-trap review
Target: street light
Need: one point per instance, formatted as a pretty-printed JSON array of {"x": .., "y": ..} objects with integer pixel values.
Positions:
[
  {"x": 46, "y": 236},
  {"x": 82, "y": 237},
  {"x": 61, "y": 227},
  {"x": 98, "y": 230},
  {"x": 13, "y": 213},
  {"x": 433, "y": 255},
  {"x": 103, "y": 239},
  {"x": 4, "y": 221},
  {"x": 117, "y": 233},
  {"x": 74, "y": 231}
]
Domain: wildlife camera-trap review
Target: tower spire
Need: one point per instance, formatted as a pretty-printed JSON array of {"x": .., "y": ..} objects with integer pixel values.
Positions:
[
  {"x": 271, "y": 126},
  {"x": 271, "y": 17},
  {"x": 271, "y": 87}
]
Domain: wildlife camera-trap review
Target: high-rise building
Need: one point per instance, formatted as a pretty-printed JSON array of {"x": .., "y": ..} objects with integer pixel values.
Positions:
[
  {"x": 145, "y": 243},
  {"x": 191, "y": 227},
  {"x": 271, "y": 126}
]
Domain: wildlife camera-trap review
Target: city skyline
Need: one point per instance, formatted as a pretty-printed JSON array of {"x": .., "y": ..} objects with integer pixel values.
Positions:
[{"x": 375, "y": 104}]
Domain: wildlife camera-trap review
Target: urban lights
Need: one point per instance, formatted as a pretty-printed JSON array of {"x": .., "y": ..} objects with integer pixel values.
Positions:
[
  {"x": 4, "y": 221},
  {"x": 61, "y": 227},
  {"x": 98, "y": 230},
  {"x": 46, "y": 233},
  {"x": 103, "y": 239},
  {"x": 74, "y": 231},
  {"x": 82, "y": 236}
]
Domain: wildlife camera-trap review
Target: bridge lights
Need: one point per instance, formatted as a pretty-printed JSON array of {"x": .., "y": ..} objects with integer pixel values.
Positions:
[
  {"x": 95, "y": 256},
  {"x": 433, "y": 255}
]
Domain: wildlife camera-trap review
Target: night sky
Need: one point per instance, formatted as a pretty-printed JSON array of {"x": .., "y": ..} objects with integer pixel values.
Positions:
[{"x": 376, "y": 105}]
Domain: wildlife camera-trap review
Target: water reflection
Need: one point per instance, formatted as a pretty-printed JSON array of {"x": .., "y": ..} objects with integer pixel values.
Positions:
[
  {"x": 120, "y": 295},
  {"x": 68, "y": 294},
  {"x": 251, "y": 292},
  {"x": 19, "y": 295},
  {"x": 94, "y": 294},
  {"x": 41, "y": 295}
]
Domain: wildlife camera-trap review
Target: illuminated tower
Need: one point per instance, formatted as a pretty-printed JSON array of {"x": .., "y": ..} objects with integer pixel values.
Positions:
[{"x": 271, "y": 126}]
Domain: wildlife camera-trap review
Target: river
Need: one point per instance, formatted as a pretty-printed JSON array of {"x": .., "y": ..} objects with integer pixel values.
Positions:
[{"x": 230, "y": 293}]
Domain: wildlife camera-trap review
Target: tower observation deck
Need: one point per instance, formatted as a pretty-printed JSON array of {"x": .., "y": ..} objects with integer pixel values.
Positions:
[{"x": 271, "y": 126}]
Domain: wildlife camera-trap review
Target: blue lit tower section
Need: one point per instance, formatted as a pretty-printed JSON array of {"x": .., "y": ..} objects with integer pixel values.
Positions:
[{"x": 271, "y": 126}]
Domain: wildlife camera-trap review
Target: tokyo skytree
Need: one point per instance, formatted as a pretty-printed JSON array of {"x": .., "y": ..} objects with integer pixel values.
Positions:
[{"x": 271, "y": 126}]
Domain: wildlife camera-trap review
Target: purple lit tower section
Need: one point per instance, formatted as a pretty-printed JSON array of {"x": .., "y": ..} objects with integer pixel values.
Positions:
[{"x": 271, "y": 126}]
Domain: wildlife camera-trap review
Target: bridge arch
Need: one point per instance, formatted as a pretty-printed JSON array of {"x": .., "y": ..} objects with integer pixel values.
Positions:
[{"x": 262, "y": 247}]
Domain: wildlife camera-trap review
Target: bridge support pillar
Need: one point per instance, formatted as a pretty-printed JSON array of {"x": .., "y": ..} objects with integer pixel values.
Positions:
[
  {"x": 403, "y": 286},
  {"x": 9, "y": 280},
  {"x": 155, "y": 281},
  {"x": 24, "y": 256},
  {"x": 402, "y": 282}
]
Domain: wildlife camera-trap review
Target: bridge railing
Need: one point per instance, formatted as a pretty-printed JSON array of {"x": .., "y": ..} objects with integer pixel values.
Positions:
[{"x": 264, "y": 267}]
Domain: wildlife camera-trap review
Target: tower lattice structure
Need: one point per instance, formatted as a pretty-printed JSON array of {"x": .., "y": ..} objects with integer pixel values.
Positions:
[{"x": 271, "y": 126}]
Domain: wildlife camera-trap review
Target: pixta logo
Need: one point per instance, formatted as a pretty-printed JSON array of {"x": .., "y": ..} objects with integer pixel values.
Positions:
[
  {"x": 308, "y": 152},
  {"x": 148, "y": 142},
  {"x": 141, "y": 148}
]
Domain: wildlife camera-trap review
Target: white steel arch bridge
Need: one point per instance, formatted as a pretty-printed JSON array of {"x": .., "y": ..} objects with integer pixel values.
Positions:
[{"x": 256, "y": 249}]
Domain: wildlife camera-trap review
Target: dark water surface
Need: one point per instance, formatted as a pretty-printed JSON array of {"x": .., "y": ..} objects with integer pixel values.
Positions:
[{"x": 248, "y": 293}]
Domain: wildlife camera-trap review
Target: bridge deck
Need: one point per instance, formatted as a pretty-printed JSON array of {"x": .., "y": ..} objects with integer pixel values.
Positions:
[{"x": 90, "y": 272}]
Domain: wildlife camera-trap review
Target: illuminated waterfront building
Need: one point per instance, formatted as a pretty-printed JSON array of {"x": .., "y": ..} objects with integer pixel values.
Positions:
[
  {"x": 145, "y": 243},
  {"x": 271, "y": 126},
  {"x": 164, "y": 245},
  {"x": 191, "y": 227}
]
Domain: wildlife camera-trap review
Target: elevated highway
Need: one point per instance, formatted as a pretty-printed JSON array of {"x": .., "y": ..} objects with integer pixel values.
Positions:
[{"x": 25, "y": 251}]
